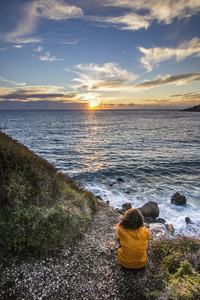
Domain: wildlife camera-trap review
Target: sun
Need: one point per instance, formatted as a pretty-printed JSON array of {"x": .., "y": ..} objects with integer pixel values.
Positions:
[{"x": 93, "y": 105}]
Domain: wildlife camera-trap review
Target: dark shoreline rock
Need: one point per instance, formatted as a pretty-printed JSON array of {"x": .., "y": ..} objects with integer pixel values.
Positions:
[
  {"x": 126, "y": 206},
  {"x": 150, "y": 209},
  {"x": 178, "y": 199}
]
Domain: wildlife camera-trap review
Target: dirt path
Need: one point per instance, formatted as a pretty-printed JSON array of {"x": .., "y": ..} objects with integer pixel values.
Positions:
[{"x": 88, "y": 271}]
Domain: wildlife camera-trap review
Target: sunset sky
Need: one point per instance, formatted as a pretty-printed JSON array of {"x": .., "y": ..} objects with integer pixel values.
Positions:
[{"x": 57, "y": 54}]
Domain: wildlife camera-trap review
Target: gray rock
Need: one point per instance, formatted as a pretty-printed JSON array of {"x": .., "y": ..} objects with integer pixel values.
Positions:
[
  {"x": 161, "y": 220},
  {"x": 99, "y": 198},
  {"x": 126, "y": 206},
  {"x": 170, "y": 228},
  {"x": 150, "y": 220},
  {"x": 129, "y": 190},
  {"x": 150, "y": 209},
  {"x": 158, "y": 231},
  {"x": 121, "y": 211},
  {"x": 178, "y": 199}
]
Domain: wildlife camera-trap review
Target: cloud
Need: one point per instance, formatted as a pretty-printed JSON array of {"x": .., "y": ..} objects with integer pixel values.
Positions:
[
  {"x": 50, "y": 58},
  {"x": 106, "y": 77},
  {"x": 131, "y": 21},
  {"x": 188, "y": 97},
  {"x": 162, "y": 11},
  {"x": 44, "y": 93},
  {"x": 32, "y": 93},
  {"x": 153, "y": 56},
  {"x": 11, "y": 81},
  {"x": 170, "y": 79},
  {"x": 134, "y": 15},
  {"x": 33, "y": 11},
  {"x": 17, "y": 46},
  {"x": 38, "y": 49}
]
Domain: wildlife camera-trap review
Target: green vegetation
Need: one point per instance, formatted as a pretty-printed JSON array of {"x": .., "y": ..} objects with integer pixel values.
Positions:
[
  {"x": 175, "y": 274},
  {"x": 41, "y": 209}
]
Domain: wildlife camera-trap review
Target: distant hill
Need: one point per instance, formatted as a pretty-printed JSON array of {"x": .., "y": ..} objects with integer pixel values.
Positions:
[{"x": 194, "y": 108}]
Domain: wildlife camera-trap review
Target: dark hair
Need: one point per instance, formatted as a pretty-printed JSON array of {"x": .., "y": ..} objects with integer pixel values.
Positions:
[{"x": 132, "y": 219}]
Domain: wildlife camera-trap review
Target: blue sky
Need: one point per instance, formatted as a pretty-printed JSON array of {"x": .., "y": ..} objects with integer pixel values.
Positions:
[{"x": 113, "y": 53}]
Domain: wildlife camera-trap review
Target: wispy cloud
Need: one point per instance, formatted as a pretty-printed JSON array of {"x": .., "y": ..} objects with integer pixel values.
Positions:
[
  {"x": 153, "y": 56},
  {"x": 134, "y": 15},
  {"x": 170, "y": 79},
  {"x": 44, "y": 93},
  {"x": 187, "y": 99},
  {"x": 11, "y": 81},
  {"x": 35, "y": 93},
  {"x": 50, "y": 58},
  {"x": 38, "y": 49},
  {"x": 162, "y": 11},
  {"x": 33, "y": 11},
  {"x": 188, "y": 96},
  {"x": 131, "y": 21},
  {"x": 106, "y": 77}
]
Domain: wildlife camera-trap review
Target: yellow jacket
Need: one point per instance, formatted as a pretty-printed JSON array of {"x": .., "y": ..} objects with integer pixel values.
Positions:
[{"x": 132, "y": 253}]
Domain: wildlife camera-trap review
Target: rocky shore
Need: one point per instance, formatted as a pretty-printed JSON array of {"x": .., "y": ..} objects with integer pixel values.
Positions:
[
  {"x": 43, "y": 210},
  {"x": 87, "y": 270}
]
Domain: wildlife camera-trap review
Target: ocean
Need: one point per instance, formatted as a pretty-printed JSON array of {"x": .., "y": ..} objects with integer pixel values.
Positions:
[{"x": 154, "y": 154}]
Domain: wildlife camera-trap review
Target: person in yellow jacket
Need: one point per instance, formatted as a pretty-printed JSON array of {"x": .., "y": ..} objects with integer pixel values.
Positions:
[{"x": 133, "y": 238}]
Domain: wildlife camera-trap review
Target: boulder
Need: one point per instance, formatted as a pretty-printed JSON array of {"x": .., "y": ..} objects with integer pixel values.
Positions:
[
  {"x": 158, "y": 231},
  {"x": 126, "y": 206},
  {"x": 187, "y": 220},
  {"x": 150, "y": 209},
  {"x": 178, "y": 199}
]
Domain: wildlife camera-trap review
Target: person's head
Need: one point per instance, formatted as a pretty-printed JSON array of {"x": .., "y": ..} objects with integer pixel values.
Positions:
[{"x": 132, "y": 219}]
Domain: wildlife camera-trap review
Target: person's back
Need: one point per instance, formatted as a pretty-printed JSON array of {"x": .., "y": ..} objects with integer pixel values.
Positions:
[{"x": 133, "y": 238}]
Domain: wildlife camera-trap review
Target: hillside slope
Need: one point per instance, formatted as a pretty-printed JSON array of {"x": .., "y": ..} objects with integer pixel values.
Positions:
[{"x": 40, "y": 208}]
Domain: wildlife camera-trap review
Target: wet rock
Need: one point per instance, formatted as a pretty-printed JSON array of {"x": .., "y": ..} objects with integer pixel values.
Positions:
[
  {"x": 120, "y": 179},
  {"x": 158, "y": 231},
  {"x": 150, "y": 220},
  {"x": 150, "y": 209},
  {"x": 129, "y": 190},
  {"x": 170, "y": 228},
  {"x": 188, "y": 220},
  {"x": 178, "y": 199},
  {"x": 112, "y": 183},
  {"x": 161, "y": 220},
  {"x": 126, "y": 206},
  {"x": 99, "y": 198}
]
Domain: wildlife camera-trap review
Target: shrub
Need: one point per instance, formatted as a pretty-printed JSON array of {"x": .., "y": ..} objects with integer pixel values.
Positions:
[
  {"x": 40, "y": 209},
  {"x": 185, "y": 283},
  {"x": 173, "y": 276},
  {"x": 33, "y": 229}
]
